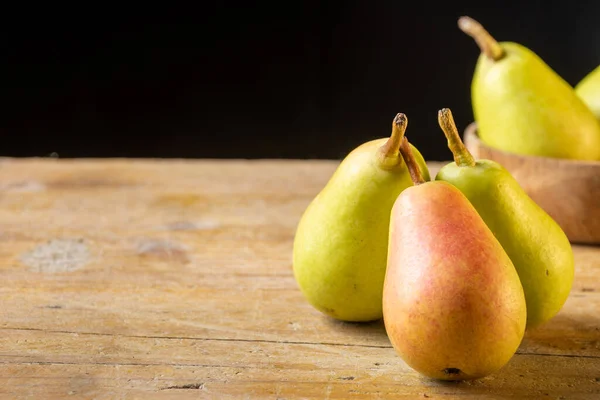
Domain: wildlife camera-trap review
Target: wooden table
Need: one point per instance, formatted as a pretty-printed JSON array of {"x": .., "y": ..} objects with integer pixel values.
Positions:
[{"x": 172, "y": 279}]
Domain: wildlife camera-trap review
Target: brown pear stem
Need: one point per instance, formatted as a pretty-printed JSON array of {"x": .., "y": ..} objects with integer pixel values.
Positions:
[
  {"x": 462, "y": 156},
  {"x": 488, "y": 45},
  {"x": 390, "y": 150},
  {"x": 411, "y": 163}
]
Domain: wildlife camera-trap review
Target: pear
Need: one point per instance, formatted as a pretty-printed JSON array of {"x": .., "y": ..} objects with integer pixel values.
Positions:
[
  {"x": 522, "y": 106},
  {"x": 588, "y": 89},
  {"x": 340, "y": 246},
  {"x": 537, "y": 246},
  {"x": 453, "y": 305}
]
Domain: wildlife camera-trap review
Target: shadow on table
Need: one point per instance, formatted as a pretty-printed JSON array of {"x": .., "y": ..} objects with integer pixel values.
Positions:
[
  {"x": 371, "y": 332},
  {"x": 565, "y": 335},
  {"x": 560, "y": 357}
]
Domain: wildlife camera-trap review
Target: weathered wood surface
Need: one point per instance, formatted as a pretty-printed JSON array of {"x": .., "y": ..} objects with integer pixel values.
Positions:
[{"x": 172, "y": 279}]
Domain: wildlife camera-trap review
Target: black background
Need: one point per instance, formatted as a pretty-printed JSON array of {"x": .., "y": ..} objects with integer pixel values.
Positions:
[{"x": 259, "y": 79}]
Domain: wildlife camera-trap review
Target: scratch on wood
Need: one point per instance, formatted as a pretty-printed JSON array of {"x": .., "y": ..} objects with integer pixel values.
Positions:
[
  {"x": 556, "y": 355},
  {"x": 163, "y": 249},
  {"x": 372, "y": 346},
  {"x": 193, "y": 225},
  {"x": 194, "y": 386},
  {"x": 123, "y": 364},
  {"x": 293, "y": 342}
]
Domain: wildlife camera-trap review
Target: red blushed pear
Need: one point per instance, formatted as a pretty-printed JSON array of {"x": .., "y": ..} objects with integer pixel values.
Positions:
[
  {"x": 535, "y": 243},
  {"x": 453, "y": 305}
]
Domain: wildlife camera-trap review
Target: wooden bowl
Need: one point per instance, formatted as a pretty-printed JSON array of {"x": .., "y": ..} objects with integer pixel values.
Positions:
[{"x": 568, "y": 190}]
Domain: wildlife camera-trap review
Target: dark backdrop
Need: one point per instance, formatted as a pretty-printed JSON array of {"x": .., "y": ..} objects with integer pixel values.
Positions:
[{"x": 259, "y": 79}]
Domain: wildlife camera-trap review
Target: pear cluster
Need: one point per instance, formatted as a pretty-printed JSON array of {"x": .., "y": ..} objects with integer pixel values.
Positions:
[
  {"x": 522, "y": 106},
  {"x": 462, "y": 265}
]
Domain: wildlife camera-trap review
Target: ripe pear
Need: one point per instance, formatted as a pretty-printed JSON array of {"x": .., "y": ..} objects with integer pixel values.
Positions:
[
  {"x": 537, "y": 246},
  {"x": 588, "y": 89},
  {"x": 340, "y": 246},
  {"x": 522, "y": 106},
  {"x": 453, "y": 305}
]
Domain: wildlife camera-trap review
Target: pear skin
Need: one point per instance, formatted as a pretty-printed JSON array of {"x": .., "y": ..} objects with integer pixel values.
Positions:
[
  {"x": 588, "y": 90},
  {"x": 340, "y": 246},
  {"x": 453, "y": 305},
  {"x": 537, "y": 246},
  {"x": 524, "y": 107}
]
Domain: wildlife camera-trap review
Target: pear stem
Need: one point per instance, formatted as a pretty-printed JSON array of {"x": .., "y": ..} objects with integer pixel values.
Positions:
[
  {"x": 486, "y": 42},
  {"x": 389, "y": 151},
  {"x": 411, "y": 163},
  {"x": 462, "y": 156}
]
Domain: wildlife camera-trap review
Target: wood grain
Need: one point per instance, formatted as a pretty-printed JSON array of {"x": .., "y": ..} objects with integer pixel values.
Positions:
[{"x": 172, "y": 279}]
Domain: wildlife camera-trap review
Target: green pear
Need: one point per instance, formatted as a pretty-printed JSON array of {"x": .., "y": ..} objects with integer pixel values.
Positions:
[
  {"x": 522, "y": 106},
  {"x": 340, "y": 246},
  {"x": 589, "y": 91},
  {"x": 453, "y": 304},
  {"x": 537, "y": 246}
]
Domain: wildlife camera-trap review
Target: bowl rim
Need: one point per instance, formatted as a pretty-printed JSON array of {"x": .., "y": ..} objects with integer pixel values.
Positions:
[{"x": 471, "y": 131}]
